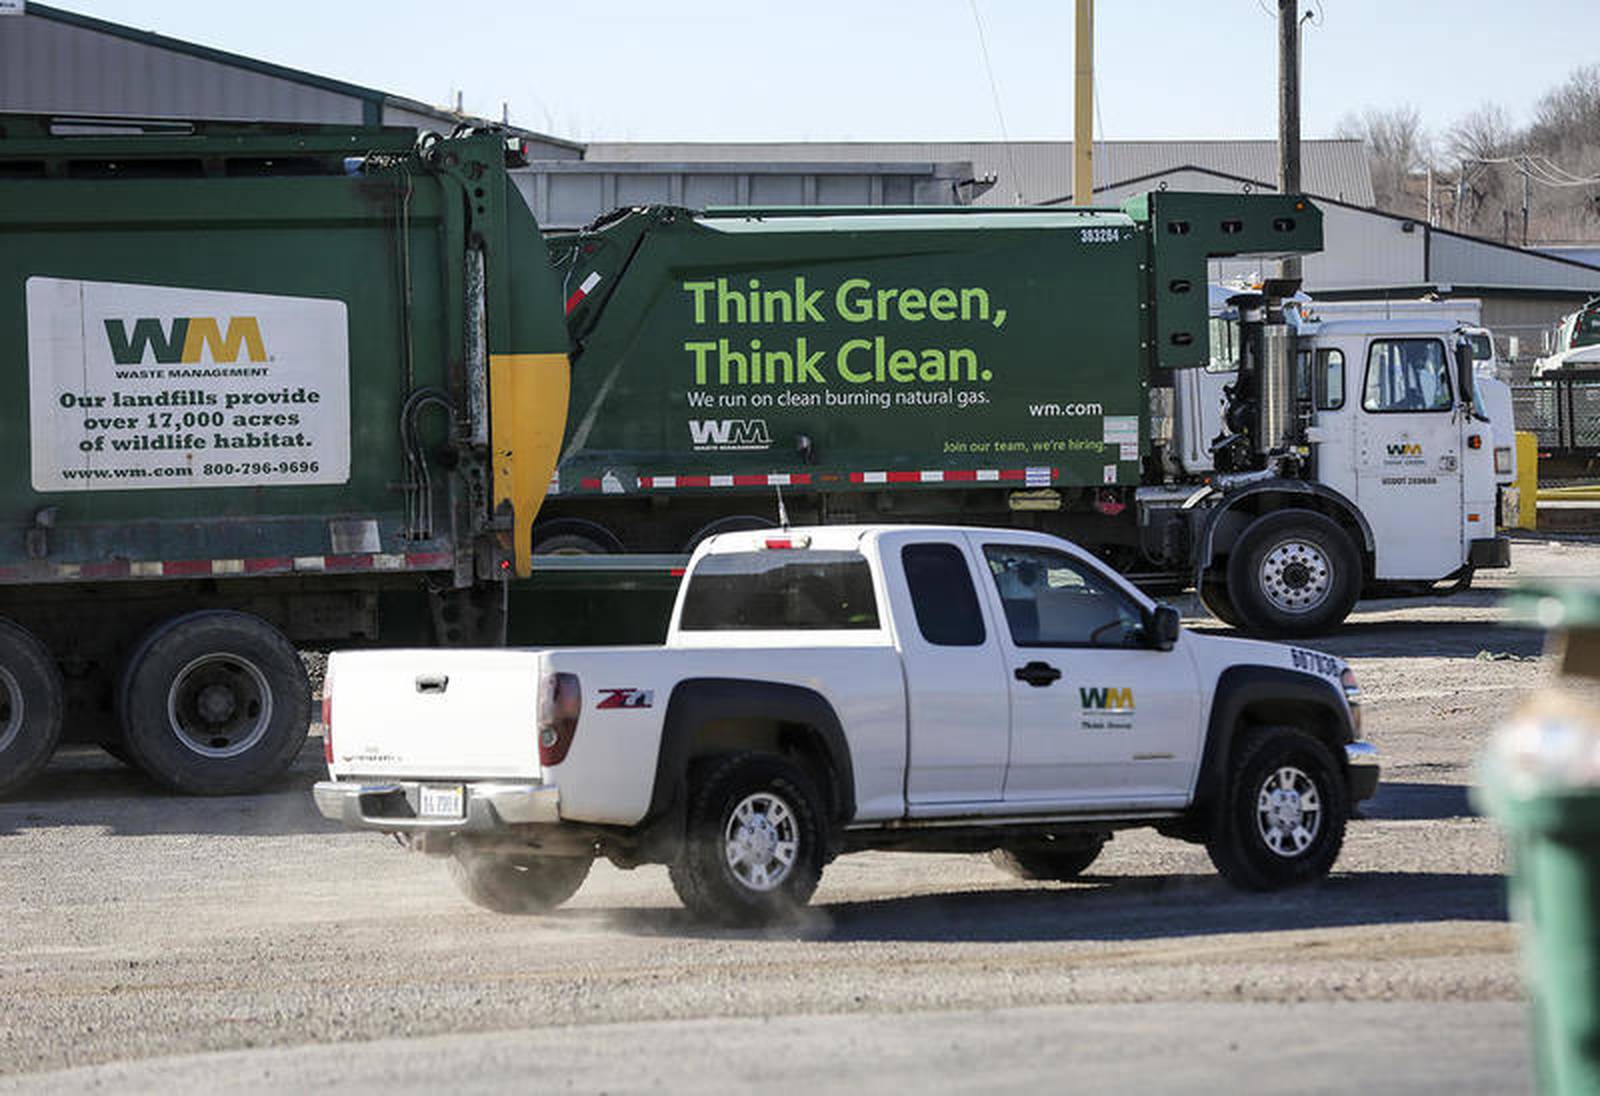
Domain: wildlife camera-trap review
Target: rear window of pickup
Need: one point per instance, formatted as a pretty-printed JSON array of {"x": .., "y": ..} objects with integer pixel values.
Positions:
[{"x": 780, "y": 589}]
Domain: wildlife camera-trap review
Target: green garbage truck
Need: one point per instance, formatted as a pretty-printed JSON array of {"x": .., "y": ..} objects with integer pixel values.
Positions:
[
  {"x": 271, "y": 388},
  {"x": 1058, "y": 369}
]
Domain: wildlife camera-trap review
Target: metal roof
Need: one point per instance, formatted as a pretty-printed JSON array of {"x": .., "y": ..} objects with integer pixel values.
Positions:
[
  {"x": 60, "y": 61},
  {"x": 1041, "y": 171}
]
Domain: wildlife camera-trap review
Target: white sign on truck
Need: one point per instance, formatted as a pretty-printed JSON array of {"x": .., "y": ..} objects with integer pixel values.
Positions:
[{"x": 144, "y": 386}]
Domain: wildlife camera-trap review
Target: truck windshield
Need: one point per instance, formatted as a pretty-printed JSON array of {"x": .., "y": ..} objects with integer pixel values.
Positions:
[{"x": 779, "y": 589}]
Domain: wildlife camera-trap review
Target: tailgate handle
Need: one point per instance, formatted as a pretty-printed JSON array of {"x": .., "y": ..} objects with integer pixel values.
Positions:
[{"x": 432, "y": 683}]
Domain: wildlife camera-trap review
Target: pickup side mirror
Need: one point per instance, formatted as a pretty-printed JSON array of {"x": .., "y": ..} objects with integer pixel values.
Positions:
[{"x": 1161, "y": 627}]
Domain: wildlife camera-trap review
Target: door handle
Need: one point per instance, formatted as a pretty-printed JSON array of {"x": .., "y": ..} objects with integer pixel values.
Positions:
[
  {"x": 432, "y": 683},
  {"x": 1038, "y": 674}
]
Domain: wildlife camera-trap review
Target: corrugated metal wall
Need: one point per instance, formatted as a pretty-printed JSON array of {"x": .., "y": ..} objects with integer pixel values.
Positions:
[
  {"x": 52, "y": 67},
  {"x": 570, "y": 195}
]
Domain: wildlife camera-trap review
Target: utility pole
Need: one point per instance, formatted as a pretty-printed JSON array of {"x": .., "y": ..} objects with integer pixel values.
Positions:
[
  {"x": 1526, "y": 196},
  {"x": 1083, "y": 104},
  {"x": 1289, "y": 113}
]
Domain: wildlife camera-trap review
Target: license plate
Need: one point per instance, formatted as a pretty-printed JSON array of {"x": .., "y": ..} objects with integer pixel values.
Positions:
[{"x": 443, "y": 801}]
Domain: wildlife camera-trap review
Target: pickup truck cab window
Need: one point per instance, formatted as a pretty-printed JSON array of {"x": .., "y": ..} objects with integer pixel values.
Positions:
[
  {"x": 1407, "y": 375},
  {"x": 942, "y": 595},
  {"x": 780, "y": 589},
  {"x": 1053, "y": 600}
]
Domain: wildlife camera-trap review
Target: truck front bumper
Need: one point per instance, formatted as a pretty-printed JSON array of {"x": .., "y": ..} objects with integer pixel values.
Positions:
[
  {"x": 1489, "y": 552},
  {"x": 394, "y": 806},
  {"x": 1361, "y": 762}
]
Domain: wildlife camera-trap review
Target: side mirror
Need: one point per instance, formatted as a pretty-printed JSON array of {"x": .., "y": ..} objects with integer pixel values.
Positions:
[
  {"x": 1465, "y": 377},
  {"x": 1162, "y": 625}
]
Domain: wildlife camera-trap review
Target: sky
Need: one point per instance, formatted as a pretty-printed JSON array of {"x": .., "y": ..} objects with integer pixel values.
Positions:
[{"x": 837, "y": 70}]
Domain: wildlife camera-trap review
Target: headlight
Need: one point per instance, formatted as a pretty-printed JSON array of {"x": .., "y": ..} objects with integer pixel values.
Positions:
[
  {"x": 1352, "y": 696},
  {"x": 1502, "y": 460}
]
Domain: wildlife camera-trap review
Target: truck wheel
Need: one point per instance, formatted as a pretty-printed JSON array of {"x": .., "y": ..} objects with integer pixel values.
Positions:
[
  {"x": 1293, "y": 573},
  {"x": 214, "y": 703},
  {"x": 31, "y": 705},
  {"x": 1214, "y": 596},
  {"x": 753, "y": 851},
  {"x": 733, "y": 523},
  {"x": 574, "y": 537},
  {"x": 1281, "y": 822},
  {"x": 1046, "y": 861},
  {"x": 517, "y": 882}
]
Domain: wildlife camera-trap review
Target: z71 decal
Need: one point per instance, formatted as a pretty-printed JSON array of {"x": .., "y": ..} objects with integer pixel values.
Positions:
[{"x": 626, "y": 698}]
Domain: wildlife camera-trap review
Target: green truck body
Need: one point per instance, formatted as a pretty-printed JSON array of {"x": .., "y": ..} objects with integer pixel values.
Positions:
[
  {"x": 870, "y": 362},
  {"x": 315, "y": 375}
]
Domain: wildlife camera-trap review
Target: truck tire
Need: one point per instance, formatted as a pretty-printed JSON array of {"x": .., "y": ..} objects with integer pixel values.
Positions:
[
  {"x": 574, "y": 537},
  {"x": 753, "y": 843},
  {"x": 214, "y": 703},
  {"x": 1046, "y": 861},
  {"x": 1214, "y": 596},
  {"x": 517, "y": 883},
  {"x": 733, "y": 523},
  {"x": 31, "y": 706},
  {"x": 1282, "y": 819},
  {"x": 1293, "y": 573}
]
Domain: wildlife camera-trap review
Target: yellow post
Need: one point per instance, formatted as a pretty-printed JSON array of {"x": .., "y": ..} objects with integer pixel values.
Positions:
[
  {"x": 1527, "y": 479},
  {"x": 527, "y": 418},
  {"x": 1083, "y": 114}
]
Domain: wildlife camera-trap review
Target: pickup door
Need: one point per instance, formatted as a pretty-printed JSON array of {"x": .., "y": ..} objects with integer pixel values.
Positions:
[{"x": 1028, "y": 681}]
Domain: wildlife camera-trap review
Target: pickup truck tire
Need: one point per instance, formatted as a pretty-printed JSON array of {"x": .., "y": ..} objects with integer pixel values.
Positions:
[
  {"x": 517, "y": 883},
  {"x": 1293, "y": 573},
  {"x": 214, "y": 702},
  {"x": 31, "y": 704},
  {"x": 753, "y": 841},
  {"x": 1045, "y": 862},
  {"x": 1282, "y": 820}
]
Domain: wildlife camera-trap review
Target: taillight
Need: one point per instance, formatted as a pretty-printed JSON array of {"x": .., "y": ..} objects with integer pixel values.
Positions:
[
  {"x": 327, "y": 724},
  {"x": 560, "y": 701}
]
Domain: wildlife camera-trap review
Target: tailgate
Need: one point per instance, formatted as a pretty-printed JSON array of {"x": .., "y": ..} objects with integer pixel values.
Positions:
[{"x": 461, "y": 714}]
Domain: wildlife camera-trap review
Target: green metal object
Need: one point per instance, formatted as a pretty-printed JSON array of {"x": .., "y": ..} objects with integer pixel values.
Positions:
[
  {"x": 258, "y": 344},
  {"x": 1541, "y": 783},
  {"x": 840, "y": 350}
]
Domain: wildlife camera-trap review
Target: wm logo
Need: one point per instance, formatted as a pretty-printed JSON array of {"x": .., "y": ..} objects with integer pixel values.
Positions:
[
  {"x": 1405, "y": 449},
  {"x": 1107, "y": 699},
  {"x": 185, "y": 339},
  {"x": 729, "y": 433}
]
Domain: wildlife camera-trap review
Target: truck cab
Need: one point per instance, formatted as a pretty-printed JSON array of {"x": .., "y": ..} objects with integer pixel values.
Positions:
[{"x": 1347, "y": 457}]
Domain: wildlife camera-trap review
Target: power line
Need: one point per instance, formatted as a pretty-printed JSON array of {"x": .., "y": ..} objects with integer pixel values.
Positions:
[{"x": 994, "y": 89}]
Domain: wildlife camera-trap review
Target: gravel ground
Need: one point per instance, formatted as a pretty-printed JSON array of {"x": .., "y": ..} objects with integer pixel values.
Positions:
[{"x": 153, "y": 942}]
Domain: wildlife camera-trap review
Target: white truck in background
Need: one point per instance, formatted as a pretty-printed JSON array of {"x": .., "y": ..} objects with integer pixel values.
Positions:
[{"x": 837, "y": 688}]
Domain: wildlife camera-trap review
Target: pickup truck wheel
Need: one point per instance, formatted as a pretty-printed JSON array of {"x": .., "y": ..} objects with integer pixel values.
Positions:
[
  {"x": 517, "y": 883},
  {"x": 214, "y": 703},
  {"x": 1293, "y": 573},
  {"x": 31, "y": 704},
  {"x": 752, "y": 852},
  {"x": 1282, "y": 821},
  {"x": 1046, "y": 861}
]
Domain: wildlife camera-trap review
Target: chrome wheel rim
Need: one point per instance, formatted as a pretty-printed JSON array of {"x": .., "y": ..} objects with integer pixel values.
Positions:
[
  {"x": 12, "y": 709},
  {"x": 761, "y": 841},
  {"x": 219, "y": 705},
  {"x": 1288, "y": 811},
  {"x": 1296, "y": 576}
]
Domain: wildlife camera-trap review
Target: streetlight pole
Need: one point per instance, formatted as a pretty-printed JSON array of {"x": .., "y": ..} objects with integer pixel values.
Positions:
[{"x": 1289, "y": 112}]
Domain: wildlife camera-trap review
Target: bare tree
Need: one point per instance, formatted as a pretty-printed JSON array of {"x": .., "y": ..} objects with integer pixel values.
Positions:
[{"x": 1398, "y": 148}]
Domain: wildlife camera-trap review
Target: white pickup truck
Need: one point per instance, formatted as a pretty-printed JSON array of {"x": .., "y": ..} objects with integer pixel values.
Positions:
[{"x": 839, "y": 688}]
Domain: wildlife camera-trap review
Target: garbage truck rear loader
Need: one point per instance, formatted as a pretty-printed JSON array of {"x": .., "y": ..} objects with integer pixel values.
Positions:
[
  {"x": 272, "y": 388},
  {"x": 1048, "y": 368}
]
